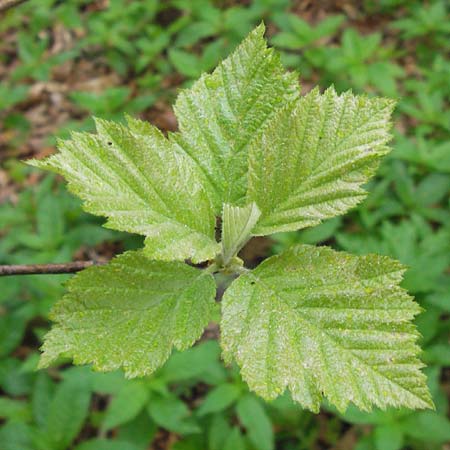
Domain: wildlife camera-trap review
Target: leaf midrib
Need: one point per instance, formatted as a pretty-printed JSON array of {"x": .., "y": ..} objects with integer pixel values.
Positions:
[
  {"x": 140, "y": 199},
  {"x": 275, "y": 294}
]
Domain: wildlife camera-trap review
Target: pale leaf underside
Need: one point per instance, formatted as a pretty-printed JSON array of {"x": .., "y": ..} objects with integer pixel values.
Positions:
[
  {"x": 135, "y": 177},
  {"x": 321, "y": 322},
  {"x": 130, "y": 314},
  {"x": 311, "y": 160}
]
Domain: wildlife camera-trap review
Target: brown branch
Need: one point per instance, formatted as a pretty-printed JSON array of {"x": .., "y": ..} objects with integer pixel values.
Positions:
[
  {"x": 7, "y": 4},
  {"x": 36, "y": 269}
]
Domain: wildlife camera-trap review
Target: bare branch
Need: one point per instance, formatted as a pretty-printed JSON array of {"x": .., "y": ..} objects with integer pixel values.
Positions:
[
  {"x": 35, "y": 269},
  {"x": 7, "y": 4}
]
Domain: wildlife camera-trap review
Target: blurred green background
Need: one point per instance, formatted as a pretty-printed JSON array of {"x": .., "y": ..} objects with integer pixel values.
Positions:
[{"x": 63, "y": 61}]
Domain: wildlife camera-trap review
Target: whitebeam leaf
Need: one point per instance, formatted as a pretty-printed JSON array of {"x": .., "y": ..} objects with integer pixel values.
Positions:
[
  {"x": 311, "y": 160},
  {"x": 222, "y": 112},
  {"x": 130, "y": 314},
  {"x": 237, "y": 226},
  {"x": 321, "y": 322},
  {"x": 135, "y": 177}
]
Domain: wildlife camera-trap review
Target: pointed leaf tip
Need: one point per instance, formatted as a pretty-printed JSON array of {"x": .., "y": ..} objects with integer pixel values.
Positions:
[
  {"x": 321, "y": 322},
  {"x": 310, "y": 162},
  {"x": 130, "y": 314}
]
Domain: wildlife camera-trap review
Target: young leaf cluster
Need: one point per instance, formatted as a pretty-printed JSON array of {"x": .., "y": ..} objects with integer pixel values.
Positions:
[{"x": 253, "y": 152}]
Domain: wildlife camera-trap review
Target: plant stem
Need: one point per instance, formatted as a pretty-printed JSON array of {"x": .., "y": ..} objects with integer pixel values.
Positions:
[
  {"x": 76, "y": 266},
  {"x": 213, "y": 268},
  {"x": 36, "y": 269},
  {"x": 7, "y": 4}
]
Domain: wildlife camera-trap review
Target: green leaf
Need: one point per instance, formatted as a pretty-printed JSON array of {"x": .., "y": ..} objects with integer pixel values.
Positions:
[
  {"x": 109, "y": 383},
  {"x": 219, "y": 399},
  {"x": 143, "y": 184},
  {"x": 319, "y": 322},
  {"x": 219, "y": 430},
  {"x": 140, "y": 431},
  {"x": 17, "y": 410},
  {"x": 41, "y": 398},
  {"x": 311, "y": 160},
  {"x": 130, "y": 313},
  {"x": 375, "y": 417},
  {"x": 428, "y": 426},
  {"x": 438, "y": 354},
  {"x": 68, "y": 411},
  {"x": 128, "y": 403},
  {"x": 13, "y": 380},
  {"x": 186, "y": 63},
  {"x": 12, "y": 328},
  {"x": 255, "y": 420},
  {"x": 105, "y": 444},
  {"x": 222, "y": 112},
  {"x": 237, "y": 226},
  {"x": 235, "y": 441},
  {"x": 16, "y": 436},
  {"x": 194, "y": 364},
  {"x": 189, "y": 443},
  {"x": 388, "y": 437},
  {"x": 173, "y": 415}
]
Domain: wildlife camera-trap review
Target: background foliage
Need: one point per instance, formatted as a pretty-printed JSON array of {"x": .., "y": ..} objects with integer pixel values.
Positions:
[{"x": 60, "y": 62}]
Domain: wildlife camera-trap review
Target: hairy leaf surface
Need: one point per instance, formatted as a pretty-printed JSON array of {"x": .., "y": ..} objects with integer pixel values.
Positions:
[
  {"x": 319, "y": 322},
  {"x": 130, "y": 313},
  {"x": 314, "y": 321},
  {"x": 222, "y": 112},
  {"x": 135, "y": 176},
  {"x": 311, "y": 160}
]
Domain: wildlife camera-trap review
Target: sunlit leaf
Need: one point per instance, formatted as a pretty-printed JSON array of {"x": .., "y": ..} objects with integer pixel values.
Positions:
[
  {"x": 311, "y": 160},
  {"x": 130, "y": 313},
  {"x": 321, "y": 322}
]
